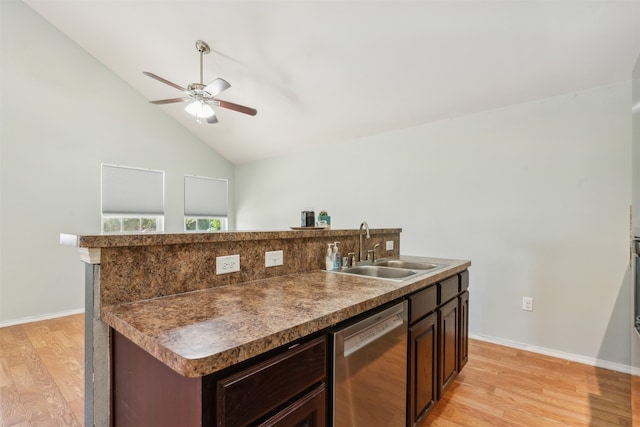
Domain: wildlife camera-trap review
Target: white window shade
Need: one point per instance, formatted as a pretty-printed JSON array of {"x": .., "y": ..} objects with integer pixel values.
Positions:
[
  {"x": 127, "y": 190},
  {"x": 205, "y": 196}
]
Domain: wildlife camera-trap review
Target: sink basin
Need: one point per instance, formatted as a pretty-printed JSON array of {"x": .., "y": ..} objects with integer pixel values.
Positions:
[
  {"x": 396, "y": 263},
  {"x": 379, "y": 271},
  {"x": 391, "y": 269}
]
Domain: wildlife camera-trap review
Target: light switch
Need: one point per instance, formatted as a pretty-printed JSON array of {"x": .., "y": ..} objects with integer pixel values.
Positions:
[{"x": 273, "y": 258}]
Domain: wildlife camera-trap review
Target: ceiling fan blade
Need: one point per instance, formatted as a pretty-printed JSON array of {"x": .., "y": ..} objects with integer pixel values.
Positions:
[
  {"x": 169, "y": 101},
  {"x": 165, "y": 81},
  {"x": 235, "y": 107},
  {"x": 212, "y": 120},
  {"x": 217, "y": 86}
]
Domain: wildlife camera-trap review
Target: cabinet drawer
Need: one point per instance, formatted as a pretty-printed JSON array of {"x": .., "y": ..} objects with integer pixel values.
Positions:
[
  {"x": 464, "y": 281},
  {"x": 448, "y": 289},
  {"x": 259, "y": 390},
  {"x": 309, "y": 410},
  {"x": 422, "y": 302}
]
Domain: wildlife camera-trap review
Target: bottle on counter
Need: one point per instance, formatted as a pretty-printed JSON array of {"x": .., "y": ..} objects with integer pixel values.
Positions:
[
  {"x": 329, "y": 264},
  {"x": 336, "y": 256}
]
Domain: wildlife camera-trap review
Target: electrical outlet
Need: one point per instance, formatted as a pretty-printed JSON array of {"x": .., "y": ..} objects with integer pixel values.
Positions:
[
  {"x": 227, "y": 264},
  {"x": 273, "y": 258},
  {"x": 389, "y": 245},
  {"x": 527, "y": 303}
]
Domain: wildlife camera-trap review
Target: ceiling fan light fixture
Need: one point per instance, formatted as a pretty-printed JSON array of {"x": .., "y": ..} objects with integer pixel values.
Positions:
[
  {"x": 201, "y": 96},
  {"x": 199, "y": 109}
]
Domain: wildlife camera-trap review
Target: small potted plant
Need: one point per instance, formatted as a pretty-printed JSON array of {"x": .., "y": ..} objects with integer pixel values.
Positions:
[{"x": 324, "y": 220}]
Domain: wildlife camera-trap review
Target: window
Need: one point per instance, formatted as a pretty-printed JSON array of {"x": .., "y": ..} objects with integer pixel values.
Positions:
[
  {"x": 132, "y": 200},
  {"x": 205, "y": 203},
  {"x": 205, "y": 224},
  {"x": 129, "y": 224}
]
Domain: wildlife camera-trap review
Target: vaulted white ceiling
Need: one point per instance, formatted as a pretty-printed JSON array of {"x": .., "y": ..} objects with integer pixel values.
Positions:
[{"x": 323, "y": 72}]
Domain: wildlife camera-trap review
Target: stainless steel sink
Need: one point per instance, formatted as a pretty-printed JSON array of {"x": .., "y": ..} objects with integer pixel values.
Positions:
[
  {"x": 379, "y": 271},
  {"x": 392, "y": 269},
  {"x": 396, "y": 263}
]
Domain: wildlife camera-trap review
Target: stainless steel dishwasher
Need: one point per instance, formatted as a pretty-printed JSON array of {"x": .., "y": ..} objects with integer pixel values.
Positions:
[{"x": 370, "y": 370}]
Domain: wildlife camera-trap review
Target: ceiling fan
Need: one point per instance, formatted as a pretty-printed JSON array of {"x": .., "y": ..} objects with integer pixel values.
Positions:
[{"x": 200, "y": 96}]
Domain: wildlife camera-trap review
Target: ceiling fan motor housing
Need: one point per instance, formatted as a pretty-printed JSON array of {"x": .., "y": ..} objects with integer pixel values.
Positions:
[{"x": 196, "y": 87}]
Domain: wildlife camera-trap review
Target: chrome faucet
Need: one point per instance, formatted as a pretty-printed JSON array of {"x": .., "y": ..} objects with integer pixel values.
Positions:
[{"x": 366, "y": 226}]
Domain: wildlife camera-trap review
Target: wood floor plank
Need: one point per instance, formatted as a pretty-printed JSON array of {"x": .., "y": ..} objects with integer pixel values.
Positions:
[
  {"x": 77, "y": 406},
  {"x": 56, "y": 353},
  {"x": 30, "y": 394},
  {"x": 635, "y": 400}
]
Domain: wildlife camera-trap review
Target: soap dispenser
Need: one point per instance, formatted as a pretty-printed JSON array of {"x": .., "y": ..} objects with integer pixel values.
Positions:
[
  {"x": 336, "y": 256},
  {"x": 329, "y": 258}
]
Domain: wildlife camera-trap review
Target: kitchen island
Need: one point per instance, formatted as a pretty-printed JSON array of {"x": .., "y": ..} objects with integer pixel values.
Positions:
[{"x": 158, "y": 298}]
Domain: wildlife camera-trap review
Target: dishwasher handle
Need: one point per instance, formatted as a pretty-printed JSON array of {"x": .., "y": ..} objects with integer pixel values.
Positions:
[{"x": 369, "y": 332}]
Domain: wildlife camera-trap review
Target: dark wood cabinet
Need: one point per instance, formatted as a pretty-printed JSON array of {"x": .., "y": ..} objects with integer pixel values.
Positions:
[
  {"x": 448, "y": 344},
  {"x": 284, "y": 389},
  {"x": 448, "y": 289},
  {"x": 147, "y": 393},
  {"x": 261, "y": 390},
  {"x": 308, "y": 411},
  {"x": 463, "y": 347},
  {"x": 438, "y": 343},
  {"x": 422, "y": 303},
  {"x": 423, "y": 368}
]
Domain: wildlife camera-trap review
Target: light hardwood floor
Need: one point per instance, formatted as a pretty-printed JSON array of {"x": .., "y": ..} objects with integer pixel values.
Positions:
[
  {"x": 502, "y": 386},
  {"x": 41, "y": 384},
  {"x": 42, "y": 373}
]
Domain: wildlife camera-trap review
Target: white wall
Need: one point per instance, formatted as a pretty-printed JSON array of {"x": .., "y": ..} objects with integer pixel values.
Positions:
[
  {"x": 535, "y": 195},
  {"x": 62, "y": 114}
]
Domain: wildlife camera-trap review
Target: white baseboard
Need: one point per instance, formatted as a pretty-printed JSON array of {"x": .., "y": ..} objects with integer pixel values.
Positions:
[
  {"x": 613, "y": 366},
  {"x": 38, "y": 318}
]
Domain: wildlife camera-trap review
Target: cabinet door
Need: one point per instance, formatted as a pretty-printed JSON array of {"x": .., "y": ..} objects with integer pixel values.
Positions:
[
  {"x": 449, "y": 332},
  {"x": 463, "y": 303},
  {"x": 423, "y": 368}
]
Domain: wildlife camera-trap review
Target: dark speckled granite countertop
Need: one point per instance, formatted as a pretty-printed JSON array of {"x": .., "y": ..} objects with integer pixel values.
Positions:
[{"x": 201, "y": 332}]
